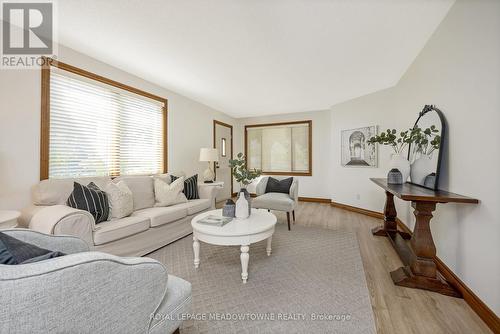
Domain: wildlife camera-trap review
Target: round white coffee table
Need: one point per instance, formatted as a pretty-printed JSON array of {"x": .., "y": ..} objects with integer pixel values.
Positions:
[{"x": 238, "y": 232}]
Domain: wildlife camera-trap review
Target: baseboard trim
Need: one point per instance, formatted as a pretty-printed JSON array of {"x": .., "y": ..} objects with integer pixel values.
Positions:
[
  {"x": 365, "y": 212},
  {"x": 314, "y": 199},
  {"x": 475, "y": 303}
]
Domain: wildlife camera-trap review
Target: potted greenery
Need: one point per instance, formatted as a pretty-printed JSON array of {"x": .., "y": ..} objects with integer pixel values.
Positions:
[
  {"x": 398, "y": 142},
  {"x": 425, "y": 142},
  {"x": 243, "y": 175}
]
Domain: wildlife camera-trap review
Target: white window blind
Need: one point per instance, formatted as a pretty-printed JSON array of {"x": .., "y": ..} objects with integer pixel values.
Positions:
[
  {"x": 99, "y": 130},
  {"x": 279, "y": 148}
]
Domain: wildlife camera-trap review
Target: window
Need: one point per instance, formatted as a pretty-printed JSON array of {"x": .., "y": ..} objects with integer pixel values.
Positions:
[
  {"x": 281, "y": 148},
  {"x": 93, "y": 126}
]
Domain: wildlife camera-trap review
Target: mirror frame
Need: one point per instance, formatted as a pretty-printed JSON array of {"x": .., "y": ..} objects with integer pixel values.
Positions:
[{"x": 427, "y": 108}]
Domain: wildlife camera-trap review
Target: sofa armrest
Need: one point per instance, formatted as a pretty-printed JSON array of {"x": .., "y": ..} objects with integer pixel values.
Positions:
[
  {"x": 62, "y": 219},
  {"x": 294, "y": 190},
  {"x": 57, "y": 295},
  {"x": 62, "y": 243},
  {"x": 27, "y": 214},
  {"x": 208, "y": 192},
  {"x": 260, "y": 189}
]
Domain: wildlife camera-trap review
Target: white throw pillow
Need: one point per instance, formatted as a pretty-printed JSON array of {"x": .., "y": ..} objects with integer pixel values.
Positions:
[
  {"x": 169, "y": 194},
  {"x": 121, "y": 200}
]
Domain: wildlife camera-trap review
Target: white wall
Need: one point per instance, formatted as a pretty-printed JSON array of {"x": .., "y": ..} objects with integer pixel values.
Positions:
[
  {"x": 459, "y": 72},
  {"x": 316, "y": 185},
  {"x": 189, "y": 126}
]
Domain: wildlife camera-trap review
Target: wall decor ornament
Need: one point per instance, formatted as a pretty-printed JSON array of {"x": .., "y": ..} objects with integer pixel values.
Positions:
[{"x": 355, "y": 150}]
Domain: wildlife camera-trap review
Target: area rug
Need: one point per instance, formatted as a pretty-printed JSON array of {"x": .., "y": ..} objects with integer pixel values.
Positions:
[{"x": 313, "y": 282}]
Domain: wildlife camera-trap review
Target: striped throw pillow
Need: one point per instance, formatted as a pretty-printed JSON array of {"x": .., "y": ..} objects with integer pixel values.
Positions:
[
  {"x": 90, "y": 198},
  {"x": 190, "y": 186}
]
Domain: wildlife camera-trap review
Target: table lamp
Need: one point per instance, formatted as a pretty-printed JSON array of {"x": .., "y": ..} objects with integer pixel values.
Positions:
[{"x": 209, "y": 155}]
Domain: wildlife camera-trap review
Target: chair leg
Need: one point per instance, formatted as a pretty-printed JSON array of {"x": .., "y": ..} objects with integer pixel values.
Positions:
[
  {"x": 293, "y": 214},
  {"x": 177, "y": 331},
  {"x": 288, "y": 219},
  {"x": 268, "y": 210}
]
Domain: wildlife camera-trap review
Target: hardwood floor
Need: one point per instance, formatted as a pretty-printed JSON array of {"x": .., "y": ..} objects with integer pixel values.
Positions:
[{"x": 396, "y": 309}]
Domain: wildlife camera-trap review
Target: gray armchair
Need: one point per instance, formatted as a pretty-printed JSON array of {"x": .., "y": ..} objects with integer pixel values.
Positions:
[
  {"x": 88, "y": 292},
  {"x": 277, "y": 201}
]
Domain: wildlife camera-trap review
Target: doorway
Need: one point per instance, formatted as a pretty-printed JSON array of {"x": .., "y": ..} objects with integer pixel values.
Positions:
[{"x": 223, "y": 142}]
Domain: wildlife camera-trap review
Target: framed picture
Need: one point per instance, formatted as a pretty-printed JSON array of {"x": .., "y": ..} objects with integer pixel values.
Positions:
[{"x": 355, "y": 150}]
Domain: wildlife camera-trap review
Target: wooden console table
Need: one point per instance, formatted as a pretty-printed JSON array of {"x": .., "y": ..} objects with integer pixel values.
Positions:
[{"x": 419, "y": 270}]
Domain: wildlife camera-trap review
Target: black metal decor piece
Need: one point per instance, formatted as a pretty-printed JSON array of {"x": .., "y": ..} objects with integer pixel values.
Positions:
[{"x": 433, "y": 181}]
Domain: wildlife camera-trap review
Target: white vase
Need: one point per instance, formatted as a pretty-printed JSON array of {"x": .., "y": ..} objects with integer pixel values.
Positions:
[
  {"x": 241, "y": 206},
  {"x": 420, "y": 168},
  {"x": 400, "y": 163}
]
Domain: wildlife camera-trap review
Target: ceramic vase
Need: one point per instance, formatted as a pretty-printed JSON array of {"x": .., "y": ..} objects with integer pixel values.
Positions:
[
  {"x": 402, "y": 164},
  {"x": 421, "y": 168},
  {"x": 229, "y": 209},
  {"x": 242, "y": 206},
  {"x": 248, "y": 198}
]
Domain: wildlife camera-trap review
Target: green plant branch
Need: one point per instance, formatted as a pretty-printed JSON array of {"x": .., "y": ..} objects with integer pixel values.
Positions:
[{"x": 241, "y": 173}]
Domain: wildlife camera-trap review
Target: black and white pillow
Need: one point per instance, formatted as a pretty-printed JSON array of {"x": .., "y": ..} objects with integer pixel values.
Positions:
[
  {"x": 90, "y": 198},
  {"x": 190, "y": 186}
]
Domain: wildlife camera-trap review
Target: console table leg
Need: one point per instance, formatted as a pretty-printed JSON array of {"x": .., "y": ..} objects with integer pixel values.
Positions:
[
  {"x": 390, "y": 215},
  {"x": 421, "y": 272},
  {"x": 422, "y": 242},
  {"x": 244, "y": 257}
]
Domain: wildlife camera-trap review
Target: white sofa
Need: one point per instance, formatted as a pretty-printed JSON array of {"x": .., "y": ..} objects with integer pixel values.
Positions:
[{"x": 145, "y": 230}]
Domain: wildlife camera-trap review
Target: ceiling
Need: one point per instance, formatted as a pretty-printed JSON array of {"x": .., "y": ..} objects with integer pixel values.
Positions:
[{"x": 261, "y": 57}]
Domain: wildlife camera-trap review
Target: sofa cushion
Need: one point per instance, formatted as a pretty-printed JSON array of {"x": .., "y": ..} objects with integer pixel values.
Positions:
[
  {"x": 196, "y": 205},
  {"x": 274, "y": 201},
  {"x": 175, "y": 305},
  {"x": 56, "y": 191},
  {"x": 162, "y": 215},
  {"x": 119, "y": 228},
  {"x": 142, "y": 190}
]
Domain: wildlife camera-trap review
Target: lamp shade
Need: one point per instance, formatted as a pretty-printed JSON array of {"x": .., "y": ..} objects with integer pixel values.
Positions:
[{"x": 209, "y": 154}]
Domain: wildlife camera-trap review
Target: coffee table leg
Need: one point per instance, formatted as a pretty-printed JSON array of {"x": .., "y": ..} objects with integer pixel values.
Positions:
[
  {"x": 196, "y": 250},
  {"x": 244, "y": 262},
  {"x": 268, "y": 248}
]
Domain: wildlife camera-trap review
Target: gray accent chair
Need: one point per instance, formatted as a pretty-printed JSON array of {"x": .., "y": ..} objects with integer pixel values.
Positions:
[
  {"x": 277, "y": 201},
  {"x": 88, "y": 292}
]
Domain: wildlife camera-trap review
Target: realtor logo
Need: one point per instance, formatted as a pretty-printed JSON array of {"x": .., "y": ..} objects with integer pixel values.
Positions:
[
  {"x": 27, "y": 28},
  {"x": 28, "y": 34}
]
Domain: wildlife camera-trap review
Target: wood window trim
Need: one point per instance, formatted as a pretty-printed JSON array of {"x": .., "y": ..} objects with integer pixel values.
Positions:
[
  {"x": 309, "y": 122},
  {"x": 45, "y": 108},
  {"x": 215, "y": 123}
]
